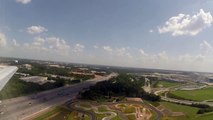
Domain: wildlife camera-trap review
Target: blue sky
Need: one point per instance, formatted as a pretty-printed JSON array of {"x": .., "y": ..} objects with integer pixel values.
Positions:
[{"x": 138, "y": 33}]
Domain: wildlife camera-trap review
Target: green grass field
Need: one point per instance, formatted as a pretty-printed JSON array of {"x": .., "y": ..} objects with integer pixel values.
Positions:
[
  {"x": 58, "y": 113},
  {"x": 116, "y": 118},
  {"x": 131, "y": 117},
  {"x": 167, "y": 84},
  {"x": 126, "y": 108},
  {"x": 74, "y": 115},
  {"x": 85, "y": 105},
  {"x": 190, "y": 112},
  {"x": 198, "y": 95},
  {"x": 100, "y": 116},
  {"x": 102, "y": 109}
]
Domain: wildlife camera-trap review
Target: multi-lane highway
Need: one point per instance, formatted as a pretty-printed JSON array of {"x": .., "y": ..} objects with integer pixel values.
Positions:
[{"x": 23, "y": 108}]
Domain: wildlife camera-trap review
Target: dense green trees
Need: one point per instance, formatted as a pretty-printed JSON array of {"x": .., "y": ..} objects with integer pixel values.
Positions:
[{"x": 123, "y": 85}]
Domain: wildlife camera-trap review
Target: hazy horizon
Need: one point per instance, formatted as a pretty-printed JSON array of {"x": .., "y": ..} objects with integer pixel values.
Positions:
[{"x": 152, "y": 34}]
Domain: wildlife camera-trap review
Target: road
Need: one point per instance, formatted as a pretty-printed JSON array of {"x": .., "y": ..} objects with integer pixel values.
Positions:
[
  {"x": 180, "y": 101},
  {"x": 68, "y": 104},
  {"x": 186, "y": 102},
  {"x": 22, "y": 108}
]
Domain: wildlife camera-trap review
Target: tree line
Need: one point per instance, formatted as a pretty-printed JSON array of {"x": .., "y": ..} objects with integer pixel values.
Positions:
[{"x": 122, "y": 86}]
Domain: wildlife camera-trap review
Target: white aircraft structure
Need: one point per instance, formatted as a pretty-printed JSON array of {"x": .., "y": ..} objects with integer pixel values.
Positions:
[{"x": 6, "y": 72}]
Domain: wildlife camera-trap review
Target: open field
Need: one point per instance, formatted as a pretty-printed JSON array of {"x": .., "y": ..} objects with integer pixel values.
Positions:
[
  {"x": 198, "y": 95},
  {"x": 55, "y": 114},
  {"x": 131, "y": 117},
  {"x": 167, "y": 84},
  {"x": 126, "y": 108},
  {"x": 134, "y": 111},
  {"x": 190, "y": 112},
  {"x": 74, "y": 115},
  {"x": 60, "y": 113}
]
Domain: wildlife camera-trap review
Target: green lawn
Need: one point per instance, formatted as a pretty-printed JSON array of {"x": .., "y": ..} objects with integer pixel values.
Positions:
[
  {"x": 74, "y": 116},
  {"x": 130, "y": 109},
  {"x": 102, "y": 109},
  {"x": 190, "y": 112},
  {"x": 116, "y": 118},
  {"x": 58, "y": 112},
  {"x": 198, "y": 95},
  {"x": 126, "y": 108},
  {"x": 85, "y": 105},
  {"x": 100, "y": 116},
  {"x": 167, "y": 84},
  {"x": 131, "y": 117}
]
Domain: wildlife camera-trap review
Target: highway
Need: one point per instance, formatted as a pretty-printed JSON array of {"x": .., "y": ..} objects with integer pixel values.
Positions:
[
  {"x": 180, "y": 101},
  {"x": 23, "y": 108}
]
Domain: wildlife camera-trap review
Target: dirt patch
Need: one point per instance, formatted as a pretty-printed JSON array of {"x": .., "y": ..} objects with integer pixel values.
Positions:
[
  {"x": 177, "y": 114},
  {"x": 135, "y": 99}
]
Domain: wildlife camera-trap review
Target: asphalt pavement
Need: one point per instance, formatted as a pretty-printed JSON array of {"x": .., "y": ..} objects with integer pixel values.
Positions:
[{"x": 23, "y": 108}]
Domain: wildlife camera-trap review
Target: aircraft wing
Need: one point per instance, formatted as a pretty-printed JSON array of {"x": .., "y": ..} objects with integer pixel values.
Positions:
[{"x": 6, "y": 72}]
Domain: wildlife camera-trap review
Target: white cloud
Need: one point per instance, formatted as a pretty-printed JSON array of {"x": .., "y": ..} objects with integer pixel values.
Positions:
[
  {"x": 3, "y": 40},
  {"x": 206, "y": 47},
  {"x": 49, "y": 44},
  {"x": 121, "y": 51},
  {"x": 185, "y": 24},
  {"x": 57, "y": 44},
  {"x": 200, "y": 57},
  {"x": 53, "y": 48},
  {"x": 151, "y": 31},
  {"x": 96, "y": 46},
  {"x": 15, "y": 43},
  {"x": 79, "y": 48},
  {"x": 38, "y": 41},
  {"x": 36, "y": 29},
  {"x": 162, "y": 55},
  {"x": 117, "y": 52},
  {"x": 142, "y": 52},
  {"x": 107, "y": 48},
  {"x": 23, "y": 1}
]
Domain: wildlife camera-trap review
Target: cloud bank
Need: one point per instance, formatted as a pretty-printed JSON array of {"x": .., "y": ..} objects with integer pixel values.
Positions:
[
  {"x": 185, "y": 24},
  {"x": 23, "y": 1},
  {"x": 36, "y": 29}
]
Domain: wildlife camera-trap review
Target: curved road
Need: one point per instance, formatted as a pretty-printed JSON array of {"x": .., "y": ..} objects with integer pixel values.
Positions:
[
  {"x": 69, "y": 106},
  {"x": 158, "y": 117}
]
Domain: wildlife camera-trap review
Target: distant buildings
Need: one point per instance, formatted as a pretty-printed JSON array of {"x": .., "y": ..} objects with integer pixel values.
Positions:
[
  {"x": 37, "y": 79},
  {"x": 56, "y": 66},
  {"x": 27, "y": 66}
]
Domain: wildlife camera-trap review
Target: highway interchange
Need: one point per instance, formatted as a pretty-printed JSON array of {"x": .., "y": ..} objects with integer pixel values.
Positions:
[
  {"x": 23, "y": 108},
  {"x": 28, "y": 107}
]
